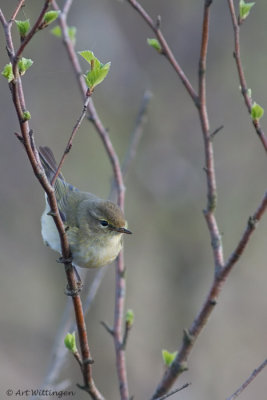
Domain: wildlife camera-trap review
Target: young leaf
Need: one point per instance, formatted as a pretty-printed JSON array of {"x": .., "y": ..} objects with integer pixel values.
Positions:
[
  {"x": 50, "y": 16},
  {"x": 130, "y": 317},
  {"x": 24, "y": 64},
  {"x": 154, "y": 43},
  {"x": 256, "y": 111},
  {"x": 244, "y": 9},
  {"x": 23, "y": 27},
  {"x": 56, "y": 31},
  {"x": 8, "y": 72},
  {"x": 168, "y": 357},
  {"x": 96, "y": 75},
  {"x": 70, "y": 342},
  {"x": 26, "y": 115}
]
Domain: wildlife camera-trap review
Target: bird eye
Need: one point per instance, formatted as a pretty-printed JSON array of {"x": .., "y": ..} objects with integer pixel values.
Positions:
[{"x": 103, "y": 222}]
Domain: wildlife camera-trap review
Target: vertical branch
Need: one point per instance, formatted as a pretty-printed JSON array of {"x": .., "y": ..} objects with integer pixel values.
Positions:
[
  {"x": 241, "y": 74},
  {"x": 208, "y": 145},
  {"x": 120, "y": 269}
]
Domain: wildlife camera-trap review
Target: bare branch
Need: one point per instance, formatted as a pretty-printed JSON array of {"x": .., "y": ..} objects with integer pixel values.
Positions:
[
  {"x": 174, "y": 391},
  {"x": 32, "y": 152},
  {"x": 166, "y": 51},
  {"x": 248, "y": 381},
  {"x": 120, "y": 279}
]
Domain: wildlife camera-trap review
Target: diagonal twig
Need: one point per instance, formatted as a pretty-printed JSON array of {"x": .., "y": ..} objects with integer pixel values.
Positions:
[{"x": 254, "y": 374}]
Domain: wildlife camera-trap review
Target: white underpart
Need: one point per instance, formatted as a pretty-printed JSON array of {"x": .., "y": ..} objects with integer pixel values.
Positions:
[{"x": 49, "y": 230}]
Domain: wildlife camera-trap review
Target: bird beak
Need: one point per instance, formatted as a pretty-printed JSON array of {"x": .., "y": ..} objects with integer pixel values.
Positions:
[{"x": 123, "y": 230}]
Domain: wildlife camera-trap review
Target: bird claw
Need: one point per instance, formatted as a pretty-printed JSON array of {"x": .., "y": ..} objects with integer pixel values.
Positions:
[
  {"x": 75, "y": 292},
  {"x": 63, "y": 260}
]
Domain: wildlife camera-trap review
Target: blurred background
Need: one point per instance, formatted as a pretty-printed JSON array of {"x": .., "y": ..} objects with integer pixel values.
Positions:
[{"x": 168, "y": 259}]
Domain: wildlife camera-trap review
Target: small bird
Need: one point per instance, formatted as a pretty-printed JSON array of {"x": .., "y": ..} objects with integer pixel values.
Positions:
[{"x": 94, "y": 227}]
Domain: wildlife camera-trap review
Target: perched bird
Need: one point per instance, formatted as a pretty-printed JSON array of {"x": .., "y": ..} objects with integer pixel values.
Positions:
[{"x": 94, "y": 227}]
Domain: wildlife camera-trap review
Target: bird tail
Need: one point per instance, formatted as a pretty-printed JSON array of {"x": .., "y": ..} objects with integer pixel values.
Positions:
[{"x": 49, "y": 162}]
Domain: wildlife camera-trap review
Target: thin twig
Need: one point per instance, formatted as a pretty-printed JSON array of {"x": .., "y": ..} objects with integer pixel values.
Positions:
[
  {"x": 208, "y": 145},
  {"x": 221, "y": 269},
  {"x": 136, "y": 133},
  {"x": 241, "y": 74},
  {"x": 248, "y": 381},
  {"x": 134, "y": 139}
]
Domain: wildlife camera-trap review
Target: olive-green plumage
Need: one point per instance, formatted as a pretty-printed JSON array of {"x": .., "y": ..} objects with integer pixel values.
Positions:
[{"x": 94, "y": 226}]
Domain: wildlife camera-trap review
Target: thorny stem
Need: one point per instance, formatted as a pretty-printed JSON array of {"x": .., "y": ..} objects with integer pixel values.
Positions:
[
  {"x": 241, "y": 75},
  {"x": 120, "y": 276},
  {"x": 222, "y": 269},
  {"x": 28, "y": 141}
]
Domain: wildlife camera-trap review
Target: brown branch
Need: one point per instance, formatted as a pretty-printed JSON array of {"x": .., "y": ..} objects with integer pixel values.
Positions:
[
  {"x": 248, "y": 381},
  {"x": 208, "y": 145},
  {"x": 28, "y": 141},
  {"x": 221, "y": 269},
  {"x": 241, "y": 75},
  {"x": 17, "y": 10},
  {"x": 174, "y": 391},
  {"x": 73, "y": 133},
  {"x": 120, "y": 279},
  {"x": 166, "y": 50}
]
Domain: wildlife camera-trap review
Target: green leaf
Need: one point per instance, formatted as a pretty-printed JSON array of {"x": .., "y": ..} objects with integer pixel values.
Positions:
[
  {"x": 24, "y": 64},
  {"x": 154, "y": 43},
  {"x": 98, "y": 70},
  {"x": 70, "y": 342},
  {"x": 23, "y": 27},
  {"x": 244, "y": 9},
  {"x": 168, "y": 357},
  {"x": 26, "y": 115},
  {"x": 56, "y": 31},
  {"x": 8, "y": 72},
  {"x": 50, "y": 16},
  {"x": 96, "y": 76},
  {"x": 72, "y": 34},
  {"x": 256, "y": 111},
  {"x": 91, "y": 59},
  {"x": 130, "y": 317}
]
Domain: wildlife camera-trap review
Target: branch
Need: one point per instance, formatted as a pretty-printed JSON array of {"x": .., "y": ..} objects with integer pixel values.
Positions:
[
  {"x": 166, "y": 51},
  {"x": 27, "y": 139},
  {"x": 74, "y": 131},
  {"x": 17, "y": 10},
  {"x": 174, "y": 391},
  {"x": 120, "y": 279},
  {"x": 248, "y": 381},
  {"x": 222, "y": 269},
  {"x": 241, "y": 75}
]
